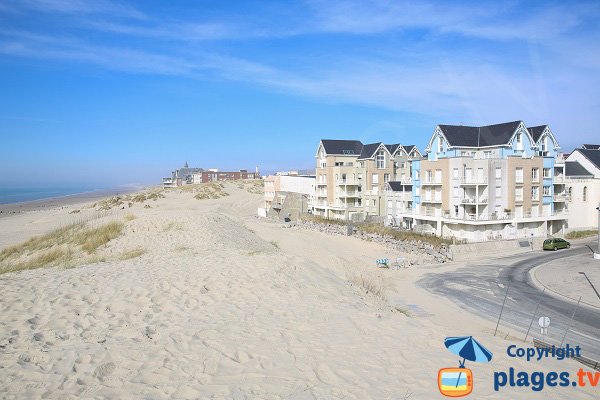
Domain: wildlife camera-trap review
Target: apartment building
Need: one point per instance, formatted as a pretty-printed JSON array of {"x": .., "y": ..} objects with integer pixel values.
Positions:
[
  {"x": 583, "y": 187},
  {"x": 351, "y": 176},
  {"x": 489, "y": 182}
]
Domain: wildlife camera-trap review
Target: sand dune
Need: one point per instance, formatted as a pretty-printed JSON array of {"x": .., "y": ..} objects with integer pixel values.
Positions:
[{"x": 223, "y": 305}]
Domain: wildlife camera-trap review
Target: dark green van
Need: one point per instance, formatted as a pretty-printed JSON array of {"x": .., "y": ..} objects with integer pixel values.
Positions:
[{"x": 556, "y": 243}]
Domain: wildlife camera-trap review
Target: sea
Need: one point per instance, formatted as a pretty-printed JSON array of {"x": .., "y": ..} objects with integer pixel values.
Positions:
[{"x": 19, "y": 195}]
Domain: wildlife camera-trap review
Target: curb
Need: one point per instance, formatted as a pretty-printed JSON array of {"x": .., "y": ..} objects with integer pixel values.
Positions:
[{"x": 551, "y": 292}]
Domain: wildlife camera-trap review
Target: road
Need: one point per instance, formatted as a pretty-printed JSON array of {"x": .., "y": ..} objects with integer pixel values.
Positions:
[{"x": 480, "y": 287}]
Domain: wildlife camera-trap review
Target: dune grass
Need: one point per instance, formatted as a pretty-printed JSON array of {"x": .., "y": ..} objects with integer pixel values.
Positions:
[
  {"x": 67, "y": 246},
  {"x": 369, "y": 283},
  {"x": 581, "y": 234},
  {"x": 130, "y": 199},
  {"x": 134, "y": 253},
  {"x": 397, "y": 234}
]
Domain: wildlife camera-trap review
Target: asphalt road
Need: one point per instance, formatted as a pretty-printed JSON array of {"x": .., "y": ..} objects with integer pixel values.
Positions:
[{"x": 480, "y": 288}]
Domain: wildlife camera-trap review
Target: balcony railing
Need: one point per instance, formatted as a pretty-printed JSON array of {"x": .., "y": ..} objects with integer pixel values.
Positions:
[
  {"x": 473, "y": 200},
  {"x": 501, "y": 216},
  {"x": 561, "y": 197},
  {"x": 431, "y": 181},
  {"x": 474, "y": 180},
  {"x": 559, "y": 179},
  {"x": 348, "y": 194}
]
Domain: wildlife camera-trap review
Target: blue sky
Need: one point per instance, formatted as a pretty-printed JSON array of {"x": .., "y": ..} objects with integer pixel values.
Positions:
[{"x": 114, "y": 92}]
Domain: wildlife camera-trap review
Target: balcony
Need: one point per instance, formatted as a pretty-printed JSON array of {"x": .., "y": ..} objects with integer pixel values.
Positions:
[
  {"x": 348, "y": 194},
  {"x": 342, "y": 182},
  {"x": 473, "y": 180},
  {"x": 433, "y": 212},
  {"x": 432, "y": 200},
  {"x": 321, "y": 183},
  {"x": 561, "y": 197},
  {"x": 405, "y": 181},
  {"x": 559, "y": 179},
  {"x": 429, "y": 181},
  {"x": 474, "y": 200}
]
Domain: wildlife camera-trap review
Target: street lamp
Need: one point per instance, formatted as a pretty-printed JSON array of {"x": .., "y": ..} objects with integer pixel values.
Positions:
[{"x": 597, "y": 255}]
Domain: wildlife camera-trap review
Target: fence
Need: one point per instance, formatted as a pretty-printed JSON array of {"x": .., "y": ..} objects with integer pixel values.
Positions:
[{"x": 521, "y": 310}]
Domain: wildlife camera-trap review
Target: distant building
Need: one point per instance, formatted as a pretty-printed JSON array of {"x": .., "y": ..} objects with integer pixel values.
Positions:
[
  {"x": 583, "y": 187},
  {"x": 187, "y": 176},
  {"x": 279, "y": 189}
]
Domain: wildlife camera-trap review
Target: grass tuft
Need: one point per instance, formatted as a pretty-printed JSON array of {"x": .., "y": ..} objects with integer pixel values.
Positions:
[
  {"x": 130, "y": 217},
  {"x": 91, "y": 239},
  {"x": 370, "y": 284},
  {"x": 581, "y": 234},
  {"x": 70, "y": 245},
  {"x": 128, "y": 255}
]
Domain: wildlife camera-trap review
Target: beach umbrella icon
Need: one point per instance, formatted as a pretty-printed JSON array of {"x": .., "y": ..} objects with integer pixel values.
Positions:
[{"x": 469, "y": 349}]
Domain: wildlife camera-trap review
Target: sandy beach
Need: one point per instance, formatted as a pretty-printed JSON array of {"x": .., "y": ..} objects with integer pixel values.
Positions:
[{"x": 197, "y": 298}]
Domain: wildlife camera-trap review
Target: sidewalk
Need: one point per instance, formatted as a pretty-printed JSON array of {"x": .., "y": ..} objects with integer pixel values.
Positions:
[{"x": 561, "y": 278}]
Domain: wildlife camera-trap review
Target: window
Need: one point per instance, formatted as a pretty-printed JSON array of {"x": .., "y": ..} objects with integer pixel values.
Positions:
[
  {"x": 535, "y": 174},
  {"x": 585, "y": 193},
  {"x": 360, "y": 202},
  {"x": 570, "y": 192},
  {"x": 535, "y": 193},
  {"x": 487, "y": 154},
  {"x": 339, "y": 164},
  {"x": 374, "y": 203},
  {"x": 386, "y": 177},
  {"x": 547, "y": 173},
  {"x": 418, "y": 191},
  {"x": 498, "y": 172},
  {"x": 380, "y": 159},
  {"x": 519, "y": 194},
  {"x": 359, "y": 176},
  {"x": 417, "y": 174},
  {"x": 456, "y": 192},
  {"x": 498, "y": 191},
  {"x": 440, "y": 144},
  {"x": 375, "y": 179},
  {"x": 438, "y": 176},
  {"x": 428, "y": 176},
  {"x": 547, "y": 191},
  {"x": 403, "y": 165},
  {"x": 455, "y": 173},
  {"x": 519, "y": 175},
  {"x": 519, "y": 141}
]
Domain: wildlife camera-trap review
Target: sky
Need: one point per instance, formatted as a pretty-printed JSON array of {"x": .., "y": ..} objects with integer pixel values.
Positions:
[{"x": 109, "y": 92}]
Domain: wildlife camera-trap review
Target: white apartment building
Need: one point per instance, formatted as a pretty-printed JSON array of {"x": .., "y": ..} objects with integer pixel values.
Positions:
[
  {"x": 583, "y": 187},
  {"x": 500, "y": 181}
]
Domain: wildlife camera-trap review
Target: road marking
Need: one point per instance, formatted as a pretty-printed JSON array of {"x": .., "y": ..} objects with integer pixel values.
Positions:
[{"x": 584, "y": 335}]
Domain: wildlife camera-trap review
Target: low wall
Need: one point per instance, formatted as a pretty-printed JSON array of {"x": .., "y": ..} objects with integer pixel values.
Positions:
[{"x": 463, "y": 252}]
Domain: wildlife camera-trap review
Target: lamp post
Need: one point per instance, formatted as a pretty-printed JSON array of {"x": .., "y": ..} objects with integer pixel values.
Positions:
[{"x": 597, "y": 255}]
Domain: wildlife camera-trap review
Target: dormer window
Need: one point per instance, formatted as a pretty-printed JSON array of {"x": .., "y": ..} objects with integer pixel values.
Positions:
[
  {"x": 440, "y": 144},
  {"x": 519, "y": 141}
]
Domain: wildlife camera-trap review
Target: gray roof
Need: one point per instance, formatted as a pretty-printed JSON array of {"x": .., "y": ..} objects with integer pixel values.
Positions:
[
  {"x": 479, "y": 136},
  {"x": 392, "y": 147},
  {"x": 342, "y": 147},
  {"x": 592, "y": 155},
  {"x": 409, "y": 148},
  {"x": 591, "y": 146},
  {"x": 536, "y": 132},
  {"x": 573, "y": 168},
  {"x": 369, "y": 150},
  {"x": 398, "y": 186}
]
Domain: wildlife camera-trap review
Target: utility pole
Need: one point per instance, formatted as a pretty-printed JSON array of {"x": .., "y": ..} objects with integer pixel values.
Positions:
[{"x": 597, "y": 255}]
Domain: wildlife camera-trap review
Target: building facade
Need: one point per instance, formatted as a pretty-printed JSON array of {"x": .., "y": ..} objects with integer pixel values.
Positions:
[
  {"x": 583, "y": 187},
  {"x": 500, "y": 181},
  {"x": 351, "y": 177},
  {"x": 188, "y": 176}
]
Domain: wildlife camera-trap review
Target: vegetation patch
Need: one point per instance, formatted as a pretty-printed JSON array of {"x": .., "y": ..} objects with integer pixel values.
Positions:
[
  {"x": 211, "y": 190},
  {"x": 398, "y": 234},
  {"x": 369, "y": 283},
  {"x": 581, "y": 234},
  {"x": 120, "y": 201},
  {"x": 137, "y": 252},
  {"x": 71, "y": 245}
]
